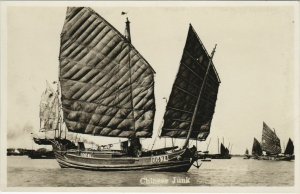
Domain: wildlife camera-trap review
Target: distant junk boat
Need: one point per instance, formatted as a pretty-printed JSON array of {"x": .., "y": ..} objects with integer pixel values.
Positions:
[
  {"x": 256, "y": 149},
  {"x": 270, "y": 148},
  {"x": 224, "y": 153},
  {"x": 49, "y": 115},
  {"x": 107, "y": 89},
  {"x": 247, "y": 156},
  {"x": 289, "y": 150}
]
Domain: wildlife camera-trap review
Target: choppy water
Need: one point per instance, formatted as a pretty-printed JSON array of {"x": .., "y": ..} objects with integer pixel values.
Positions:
[{"x": 23, "y": 171}]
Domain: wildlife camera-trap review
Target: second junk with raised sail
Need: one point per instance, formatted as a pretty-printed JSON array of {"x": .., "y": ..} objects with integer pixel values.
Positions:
[
  {"x": 270, "y": 148},
  {"x": 107, "y": 89}
]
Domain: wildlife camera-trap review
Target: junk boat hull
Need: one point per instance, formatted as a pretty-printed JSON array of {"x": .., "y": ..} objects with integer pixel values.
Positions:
[
  {"x": 177, "y": 161},
  {"x": 275, "y": 158}
]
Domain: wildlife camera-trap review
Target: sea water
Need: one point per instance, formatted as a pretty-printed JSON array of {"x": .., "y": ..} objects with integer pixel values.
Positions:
[{"x": 25, "y": 172}]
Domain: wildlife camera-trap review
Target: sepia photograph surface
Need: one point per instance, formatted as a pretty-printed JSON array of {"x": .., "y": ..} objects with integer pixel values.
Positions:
[{"x": 170, "y": 96}]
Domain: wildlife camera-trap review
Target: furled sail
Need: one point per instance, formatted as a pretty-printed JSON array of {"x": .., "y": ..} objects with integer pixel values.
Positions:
[
  {"x": 49, "y": 110},
  {"x": 107, "y": 86},
  {"x": 270, "y": 141},
  {"x": 289, "y": 150},
  {"x": 256, "y": 148},
  {"x": 185, "y": 92}
]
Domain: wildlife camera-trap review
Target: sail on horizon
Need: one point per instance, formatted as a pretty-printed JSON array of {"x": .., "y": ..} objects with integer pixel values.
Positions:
[
  {"x": 256, "y": 148},
  {"x": 289, "y": 147},
  {"x": 270, "y": 142}
]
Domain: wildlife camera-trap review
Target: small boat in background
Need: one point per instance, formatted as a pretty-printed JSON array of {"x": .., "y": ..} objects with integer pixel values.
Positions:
[
  {"x": 289, "y": 150},
  {"x": 247, "y": 156},
  {"x": 224, "y": 153},
  {"x": 256, "y": 149},
  {"x": 41, "y": 153},
  {"x": 270, "y": 147}
]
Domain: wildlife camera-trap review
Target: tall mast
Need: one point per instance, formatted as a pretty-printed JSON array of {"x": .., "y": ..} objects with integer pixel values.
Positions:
[
  {"x": 128, "y": 37},
  {"x": 199, "y": 97}
]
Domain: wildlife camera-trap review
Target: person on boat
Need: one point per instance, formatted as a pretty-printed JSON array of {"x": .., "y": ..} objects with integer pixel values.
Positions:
[{"x": 135, "y": 147}]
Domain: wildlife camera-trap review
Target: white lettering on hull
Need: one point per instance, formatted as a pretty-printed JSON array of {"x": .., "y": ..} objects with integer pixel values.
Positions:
[{"x": 159, "y": 159}]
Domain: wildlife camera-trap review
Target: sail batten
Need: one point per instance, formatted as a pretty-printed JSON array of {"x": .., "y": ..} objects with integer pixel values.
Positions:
[
  {"x": 186, "y": 91},
  {"x": 107, "y": 86}
]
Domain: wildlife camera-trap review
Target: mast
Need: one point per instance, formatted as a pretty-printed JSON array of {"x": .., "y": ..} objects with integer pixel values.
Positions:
[
  {"x": 199, "y": 97},
  {"x": 128, "y": 37},
  {"x": 207, "y": 144},
  {"x": 127, "y": 30},
  {"x": 223, "y": 141},
  {"x": 218, "y": 146}
]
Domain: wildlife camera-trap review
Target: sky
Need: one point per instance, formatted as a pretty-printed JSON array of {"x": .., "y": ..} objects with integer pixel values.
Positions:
[{"x": 255, "y": 60}]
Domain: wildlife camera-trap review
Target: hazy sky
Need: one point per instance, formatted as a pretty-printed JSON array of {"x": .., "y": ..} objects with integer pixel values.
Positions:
[{"x": 254, "y": 59}]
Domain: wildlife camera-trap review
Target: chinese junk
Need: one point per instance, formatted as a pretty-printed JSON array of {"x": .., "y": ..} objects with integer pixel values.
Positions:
[
  {"x": 270, "y": 148},
  {"x": 107, "y": 89},
  {"x": 256, "y": 149},
  {"x": 289, "y": 150},
  {"x": 49, "y": 115},
  {"x": 49, "y": 120},
  {"x": 247, "y": 156}
]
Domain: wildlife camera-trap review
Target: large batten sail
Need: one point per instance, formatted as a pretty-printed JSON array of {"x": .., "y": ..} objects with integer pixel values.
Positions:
[
  {"x": 256, "y": 148},
  {"x": 49, "y": 110},
  {"x": 270, "y": 141},
  {"x": 289, "y": 148},
  {"x": 107, "y": 87},
  {"x": 186, "y": 90}
]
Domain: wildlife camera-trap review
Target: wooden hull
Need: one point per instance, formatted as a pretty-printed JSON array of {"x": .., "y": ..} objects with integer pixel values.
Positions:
[
  {"x": 41, "y": 141},
  {"x": 214, "y": 156},
  {"x": 178, "y": 161},
  {"x": 37, "y": 155},
  {"x": 274, "y": 158}
]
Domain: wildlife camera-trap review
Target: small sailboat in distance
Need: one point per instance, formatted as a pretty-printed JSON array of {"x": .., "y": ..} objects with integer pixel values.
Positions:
[
  {"x": 256, "y": 149},
  {"x": 107, "y": 89},
  {"x": 289, "y": 150},
  {"x": 247, "y": 156},
  {"x": 270, "y": 146}
]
